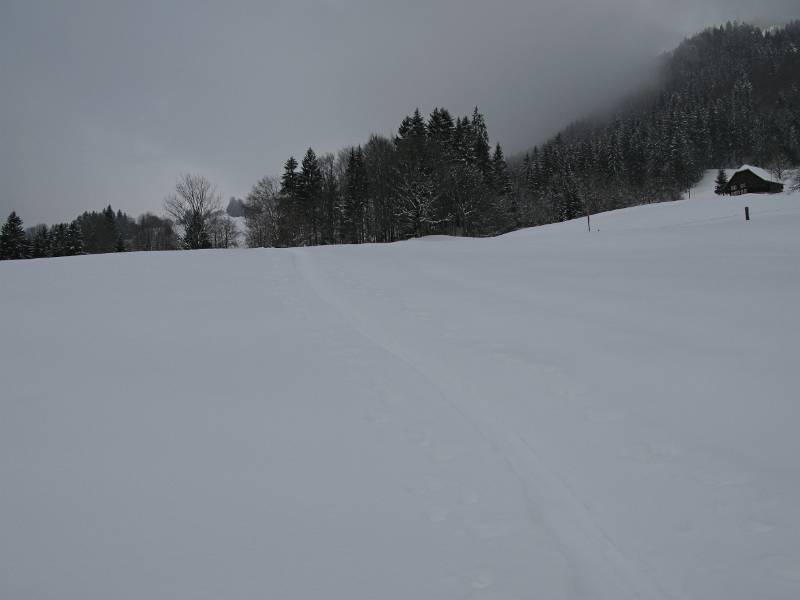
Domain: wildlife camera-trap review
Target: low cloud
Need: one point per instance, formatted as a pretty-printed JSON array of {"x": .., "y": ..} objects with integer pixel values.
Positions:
[{"x": 106, "y": 102}]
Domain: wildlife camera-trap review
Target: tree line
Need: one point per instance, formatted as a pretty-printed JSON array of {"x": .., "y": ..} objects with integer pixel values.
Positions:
[
  {"x": 109, "y": 231},
  {"x": 727, "y": 96},
  {"x": 437, "y": 175}
]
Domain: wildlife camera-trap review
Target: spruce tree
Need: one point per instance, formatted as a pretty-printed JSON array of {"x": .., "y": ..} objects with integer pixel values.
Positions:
[
  {"x": 500, "y": 177},
  {"x": 721, "y": 181},
  {"x": 440, "y": 127},
  {"x": 480, "y": 141},
  {"x": 74, "y": 239},
  {"x": 59, "y": 243},
  {"x": 287, "y": 205},
  {"x": 309, "y": 192},
  {"x": 13, "y": 242},
  {"x": 109, "y": 233},
  {"x": 355, "y": 197},
  {"x": 195, "y": 236},
  {"x": 40, "y": 242}
]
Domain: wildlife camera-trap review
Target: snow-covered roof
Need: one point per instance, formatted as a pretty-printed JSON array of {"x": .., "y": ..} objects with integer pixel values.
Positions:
[{"x": 762, "y": 173}]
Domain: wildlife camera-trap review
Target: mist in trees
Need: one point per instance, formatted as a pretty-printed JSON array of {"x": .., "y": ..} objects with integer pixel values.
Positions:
[{"x": 727, "y": 96}]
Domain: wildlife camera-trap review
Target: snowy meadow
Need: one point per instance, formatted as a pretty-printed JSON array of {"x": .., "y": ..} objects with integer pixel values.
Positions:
[{"x": 549, "y": 414}]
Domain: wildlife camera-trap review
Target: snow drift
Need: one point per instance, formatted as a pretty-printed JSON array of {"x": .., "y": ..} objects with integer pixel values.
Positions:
[{"x": 551, "y": 414}]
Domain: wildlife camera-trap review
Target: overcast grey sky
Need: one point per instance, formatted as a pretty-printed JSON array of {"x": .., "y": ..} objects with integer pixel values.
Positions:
[{"x": 107, "y": 101}]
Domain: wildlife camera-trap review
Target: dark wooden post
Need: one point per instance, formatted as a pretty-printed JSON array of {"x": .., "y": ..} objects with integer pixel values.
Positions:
[{"x": 746, "y": 213}]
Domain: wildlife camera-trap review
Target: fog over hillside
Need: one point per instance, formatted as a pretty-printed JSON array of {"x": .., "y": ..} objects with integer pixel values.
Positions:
[{"x": 105, "y": 102}]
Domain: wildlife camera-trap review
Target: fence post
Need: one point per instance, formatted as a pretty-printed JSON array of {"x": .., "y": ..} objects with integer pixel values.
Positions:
[{"x": 746, "y": 213}]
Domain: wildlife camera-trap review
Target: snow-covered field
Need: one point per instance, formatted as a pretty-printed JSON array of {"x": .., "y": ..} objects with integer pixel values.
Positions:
[{"x": 552, "y": 414}]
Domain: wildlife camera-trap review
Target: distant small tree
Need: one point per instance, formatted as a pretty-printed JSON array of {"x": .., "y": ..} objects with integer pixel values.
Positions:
[
  {"x": 193, "y": 205},
  {"x": 721, "y": 182},
  {"x": 796, "y": 184},
  {"x": 13, "y": 242}
]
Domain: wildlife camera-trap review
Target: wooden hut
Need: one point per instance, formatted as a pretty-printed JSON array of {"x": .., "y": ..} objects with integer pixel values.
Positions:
[{"x": 753, "y": 180}]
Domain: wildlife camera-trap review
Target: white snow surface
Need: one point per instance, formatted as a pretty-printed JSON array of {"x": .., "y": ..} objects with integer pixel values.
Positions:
[{"x": 551, "y": 414}]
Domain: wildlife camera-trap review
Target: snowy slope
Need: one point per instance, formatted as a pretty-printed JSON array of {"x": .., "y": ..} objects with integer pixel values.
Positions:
[{"x": 551, "y": 414}]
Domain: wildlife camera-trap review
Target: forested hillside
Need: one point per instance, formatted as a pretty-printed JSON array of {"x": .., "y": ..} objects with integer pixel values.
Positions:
[
  {"x": 728, "y": 96},
  {"x": 434, "y": 176}
]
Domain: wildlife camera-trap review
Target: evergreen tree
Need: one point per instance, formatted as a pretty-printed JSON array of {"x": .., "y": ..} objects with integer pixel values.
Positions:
[
  {"x": 500, "y": 177},
  {"x": 721, "y": 182},
  {"x": 195, "y": 236},
  {"x": 110, "y": 231},
  {"x": 480, "y": 141},
  {"x": 504, "y": 209},
  {"x": 59, "y": 240},
  {"x": 40, "y": 241},
  {"x": 440, "y": 128},
  {"x": 288, "y": 217},
  {"x": 74, "y": 239},
  {"x": 309, "y": 193},
  {"x": 13, "y": 242},
  {"x": 355, "y": 197}
]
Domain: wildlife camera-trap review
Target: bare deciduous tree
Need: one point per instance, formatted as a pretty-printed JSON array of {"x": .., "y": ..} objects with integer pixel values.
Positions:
[
  {"x": 779, "y": 165},
  {"x": 223, "y": 231},
  {"x": 155, "y": 233},
  {"x": 193, "y": 204},
  {"x": 261, "y": 214}
]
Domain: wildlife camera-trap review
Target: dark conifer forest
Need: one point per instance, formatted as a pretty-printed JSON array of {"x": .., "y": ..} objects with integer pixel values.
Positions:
[{"x": 728, "y": 96}]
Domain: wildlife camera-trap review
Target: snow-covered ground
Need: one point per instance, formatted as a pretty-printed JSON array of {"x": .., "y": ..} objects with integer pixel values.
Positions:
[{"x": 552, "y": 414}]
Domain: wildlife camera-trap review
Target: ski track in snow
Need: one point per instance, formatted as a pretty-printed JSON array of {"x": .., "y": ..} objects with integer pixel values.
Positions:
[{"x": 602, "y": 568}]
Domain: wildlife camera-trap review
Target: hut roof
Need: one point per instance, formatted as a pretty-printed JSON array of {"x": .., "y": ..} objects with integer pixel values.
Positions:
[{"x": 758, "y": 171}]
